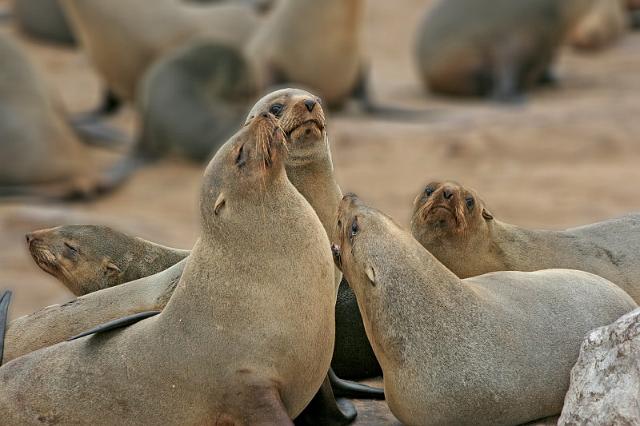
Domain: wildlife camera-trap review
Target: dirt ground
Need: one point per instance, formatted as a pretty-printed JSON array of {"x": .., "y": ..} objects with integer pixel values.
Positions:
[{"x": 568, "y": 156}]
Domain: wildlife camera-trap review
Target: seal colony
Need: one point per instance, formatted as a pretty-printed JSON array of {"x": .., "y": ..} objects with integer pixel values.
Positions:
[
  {"x": 265, "y": 376},
  {"x": 495, "y": 349},
  {"x": 455, "y": 225}
]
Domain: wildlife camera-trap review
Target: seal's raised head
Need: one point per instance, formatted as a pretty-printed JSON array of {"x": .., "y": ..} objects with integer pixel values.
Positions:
[
  {"x": 65, "y": 252},
  {"x": 301, "y": 118},
  {"x": 238, "y": 175},
  {"x": 447, "y": 210}
]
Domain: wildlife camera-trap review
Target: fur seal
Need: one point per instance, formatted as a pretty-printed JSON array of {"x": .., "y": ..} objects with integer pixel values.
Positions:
[
  {"x": 87, "y": 258},
  {"x": 39, "y": 154},
  {"x": 44, "y": 20},
  {"x": 294, "y": 46},
  {"x": 605, "y": 23},
  {"x": 501, "y": 52},
  {"x": 490, "y": 350},
  {"x": 252, "y": 378},
  {"x": 123, "y": 37},
  {"x": 455, "y": 225}
]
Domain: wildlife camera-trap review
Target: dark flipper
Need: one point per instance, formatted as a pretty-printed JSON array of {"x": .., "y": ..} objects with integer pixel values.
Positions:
[
  {"x": 115, "y": 324},
  {"x": 5, "y": 298},
  {"x": 634, "y": 19},
  {"x": 362, "y": 93},
  {"x": 324, "y": 409},
  {"x": 348, "y": 389},
  {"x": 95, "y": 132},
  {"x": 89, "y": 127}
]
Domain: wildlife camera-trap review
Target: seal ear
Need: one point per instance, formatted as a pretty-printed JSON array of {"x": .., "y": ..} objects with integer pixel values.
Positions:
[
  {"x": 371, "y": 274},
  {"x": 486, "y": 214},
  {"x": 220, "y": 202},
  {"x": 112, "y": 268}
]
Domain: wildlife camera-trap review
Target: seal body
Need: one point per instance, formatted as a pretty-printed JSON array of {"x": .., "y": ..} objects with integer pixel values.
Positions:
[
  {"x": 87, "y": 258},
  {"x": 453, "y": 223},
  {"x": 495, "y": 349},
  {"x": 122, "y": 38},
  {"x": 311, "y": 43},
  {"x": 57, "y": 323},
  {"x": 38, "y": 146},
  {"x": 265, "y": 374},
  {"x": 496, "y": 48}
]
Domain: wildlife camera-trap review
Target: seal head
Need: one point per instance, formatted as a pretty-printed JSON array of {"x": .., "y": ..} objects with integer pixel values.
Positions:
[{"x": 448, "y": 211}]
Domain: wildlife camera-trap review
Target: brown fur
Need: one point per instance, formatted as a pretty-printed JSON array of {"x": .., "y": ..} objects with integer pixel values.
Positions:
[
  {"x": 609, "y": 249},
  {"x": 490, "y": 350},
  {"x": 87, "y": 258},
  {"x": 605, "y": 24}
]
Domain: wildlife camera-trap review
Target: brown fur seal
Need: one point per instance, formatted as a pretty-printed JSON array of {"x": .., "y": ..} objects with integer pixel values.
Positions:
[
  {"x": 490, "y": 350},
  {"x": 605, "y": 23},
  {"x": 87, "y": 258},
  {"x": 44, "y": 20},
  {"x": 264, "y": 375},
  {"x": 123, "y": 37},
  {"x": 495, "y": 48},
  {"x": 454, "y": 224},
  {"x": 294, "y": 46},
  {"x": 39, "y": 154}
]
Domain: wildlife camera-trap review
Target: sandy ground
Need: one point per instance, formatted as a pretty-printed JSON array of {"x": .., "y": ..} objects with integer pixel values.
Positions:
[{"x": 566, "y": 157}]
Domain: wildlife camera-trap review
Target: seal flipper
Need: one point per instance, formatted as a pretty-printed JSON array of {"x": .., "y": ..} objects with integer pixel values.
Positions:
[
  {"x": 362, "y": 94},
  {"x": 115, "y": 324},
  {"x": 4, "y": 310},
  {"x": 348, "y": 389},
  {"x": 90, "y": 128},
  {"x": 324, "y": 409}
]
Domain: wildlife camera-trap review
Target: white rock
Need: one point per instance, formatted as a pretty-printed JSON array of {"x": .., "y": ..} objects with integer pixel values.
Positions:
[{"x": 605, "y": 382}]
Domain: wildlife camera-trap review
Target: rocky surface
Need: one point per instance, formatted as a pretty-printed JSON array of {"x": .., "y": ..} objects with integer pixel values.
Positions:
[{"x": 605, "y": 382}]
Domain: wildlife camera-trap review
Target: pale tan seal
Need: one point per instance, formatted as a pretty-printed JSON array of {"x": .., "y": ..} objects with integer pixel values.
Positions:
[
  {"x": 311, "y": 43},
  {"x": 264, "y": 375},
  {"x": 87, "y": 258},
  {"x": 455, "y": 225},
  {"x": 40, "y": 155},
  {"x": 490, "y": 350},
  {"x": 606, "y": 23},
  {"x": 123, "y": 37},
  {"x": 492, "y": 48}
]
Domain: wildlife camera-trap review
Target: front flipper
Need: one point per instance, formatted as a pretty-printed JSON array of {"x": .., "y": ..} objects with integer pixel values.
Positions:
[
  {"x": 5, "y": 298},
  {"x": 115, "y": 324},
  {"x": 324, "y": 409},
  {"x": 348, "y": 389}
]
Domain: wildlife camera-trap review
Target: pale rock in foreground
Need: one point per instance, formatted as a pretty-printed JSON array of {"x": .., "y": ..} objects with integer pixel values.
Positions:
[{"x": 605, "y": 382}]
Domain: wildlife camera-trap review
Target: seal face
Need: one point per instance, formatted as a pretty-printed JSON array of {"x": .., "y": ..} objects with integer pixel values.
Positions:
[{"x": 446, "y": 210}]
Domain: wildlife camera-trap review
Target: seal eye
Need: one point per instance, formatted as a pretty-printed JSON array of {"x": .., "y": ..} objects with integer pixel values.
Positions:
[
  {"x": 428, "y": 191},
  {"x": 470, "y": 202},
  {"x": 70, "y": 251},
  {"x": 354, "y": 228},
  {"x": 241, "y": 158},
  {"x": 276, "y": 109}
]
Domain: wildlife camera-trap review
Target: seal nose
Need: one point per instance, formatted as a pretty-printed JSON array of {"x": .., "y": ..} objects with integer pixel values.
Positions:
[
  {"x": 447, "y": 194},
  {"x": 29, "y": 237},
  {"x": 310, "y": 104},
  {"x": 264, "y": 115}
]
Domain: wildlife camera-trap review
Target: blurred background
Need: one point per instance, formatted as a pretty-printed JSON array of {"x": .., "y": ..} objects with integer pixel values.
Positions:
[{"x": 565, "y": 155}]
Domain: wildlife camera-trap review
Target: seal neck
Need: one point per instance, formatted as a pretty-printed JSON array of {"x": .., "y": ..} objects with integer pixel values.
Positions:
[
  {"x": 313, "y": 177},
  {"x": 520, "y": 249}
]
